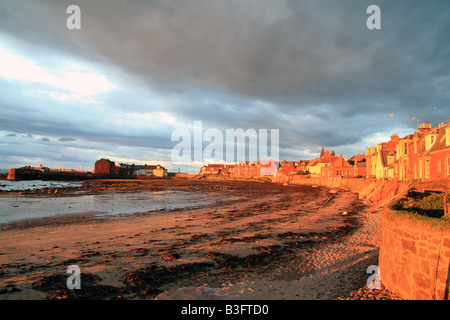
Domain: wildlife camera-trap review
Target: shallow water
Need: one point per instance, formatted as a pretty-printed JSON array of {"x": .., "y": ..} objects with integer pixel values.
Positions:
[
  {"x": 105, "y": 206},
  {"x": 35, "y": 184}
]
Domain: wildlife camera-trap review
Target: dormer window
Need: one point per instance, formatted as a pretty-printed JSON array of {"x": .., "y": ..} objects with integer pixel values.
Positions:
[{"x": 429, "y": 141}]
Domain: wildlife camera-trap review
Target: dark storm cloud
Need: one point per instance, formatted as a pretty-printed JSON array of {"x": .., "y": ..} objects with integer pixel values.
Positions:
[
  {"x": 66, "y": 139},
  {"x": 310, "y": 68},
  {"x": 295, "y": 53}
]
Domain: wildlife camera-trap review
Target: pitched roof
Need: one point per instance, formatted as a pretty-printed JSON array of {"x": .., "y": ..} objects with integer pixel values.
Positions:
[
  {"x": 328, "y": 159},
  {"x": 150, "y": 167},
  {"x": 268, "y": 164},
  {"x": 215, "y": 165},
  {"x": 340, "y": 162},
  {"x": 391, "y": 145},
  {"x": 409, "y": 136},
  {"x": 439, "y": 145},
  {"x": 288, "y": 167},
  {"x": 107, "y": 160},
  {"x": 358, "y": 157}
]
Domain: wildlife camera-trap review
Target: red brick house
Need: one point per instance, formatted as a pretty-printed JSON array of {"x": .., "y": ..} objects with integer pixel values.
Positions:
[
  {"x": 247, "y": 170},
  {"x": 339, "y": 167},
  {"x": 269, "y": 168},
  {"x": 415, "y": 149},
  {"x": 436, "y": 158},
  {"x": 105, "y": 166},
  {"x": 213, "y": 169},
  {"x": 227, "y": 169},
  {"x": 287, "y": 168},
  {"x": 359, "y": 165},
  {"x": 425, "y": 154}
]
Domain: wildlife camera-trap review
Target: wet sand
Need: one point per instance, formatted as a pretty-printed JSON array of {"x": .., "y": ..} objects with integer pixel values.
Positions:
[{"x": 276, "y": 242}]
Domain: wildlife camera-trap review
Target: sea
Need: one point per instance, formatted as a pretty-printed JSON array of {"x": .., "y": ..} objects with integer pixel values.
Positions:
[
  {"x": 112, "y": 205},
  {"x": 8, "y": 185}
]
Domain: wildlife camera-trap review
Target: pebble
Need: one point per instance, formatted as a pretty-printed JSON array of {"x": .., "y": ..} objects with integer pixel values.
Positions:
[{"x": 365, "y": 293}]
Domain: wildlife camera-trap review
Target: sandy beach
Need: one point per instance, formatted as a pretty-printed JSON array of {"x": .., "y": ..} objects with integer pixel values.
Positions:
[{"x": 274, "y": 242}]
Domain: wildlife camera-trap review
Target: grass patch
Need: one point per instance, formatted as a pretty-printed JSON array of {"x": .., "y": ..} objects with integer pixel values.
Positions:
[
  {"x": 438, "y": 223},
  {"x": 423, "y": 207},
  {"x": 426, "y": 204}
]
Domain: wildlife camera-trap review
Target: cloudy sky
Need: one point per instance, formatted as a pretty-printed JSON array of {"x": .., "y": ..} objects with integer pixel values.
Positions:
[{"x": 138, "y": 70}]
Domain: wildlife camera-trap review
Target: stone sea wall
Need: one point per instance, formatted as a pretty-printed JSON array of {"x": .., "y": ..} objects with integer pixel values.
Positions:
[{"x": 414, "y": 258}]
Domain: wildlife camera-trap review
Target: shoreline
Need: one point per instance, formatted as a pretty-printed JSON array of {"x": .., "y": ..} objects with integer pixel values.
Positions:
[{"x": 265, "y": 247}]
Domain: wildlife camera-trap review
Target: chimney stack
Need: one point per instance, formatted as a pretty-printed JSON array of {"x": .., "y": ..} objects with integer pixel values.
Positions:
[{"x": 425, "y": 127}]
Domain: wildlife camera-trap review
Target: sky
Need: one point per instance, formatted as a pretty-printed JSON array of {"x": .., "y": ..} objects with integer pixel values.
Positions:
[{"x": 138, "y": 70}]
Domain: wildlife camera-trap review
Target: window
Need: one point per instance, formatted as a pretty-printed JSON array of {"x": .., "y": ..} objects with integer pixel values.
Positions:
[
  {"x": 406, "y": 148},
  {"x": 429, "y": 141},
  {"x": 448, "y": 166},
  {"x": 447, "y": 136}
]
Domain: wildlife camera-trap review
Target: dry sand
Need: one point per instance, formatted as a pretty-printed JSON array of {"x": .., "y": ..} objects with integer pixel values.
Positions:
[{"x": 277, "y": 242}]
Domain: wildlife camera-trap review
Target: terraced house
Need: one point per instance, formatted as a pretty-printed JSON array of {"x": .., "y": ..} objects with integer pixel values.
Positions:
[
  {"x": 423, "y": 155},
  {"x": 433, "y": 159},
  {"x": 381, "y": 158}
]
